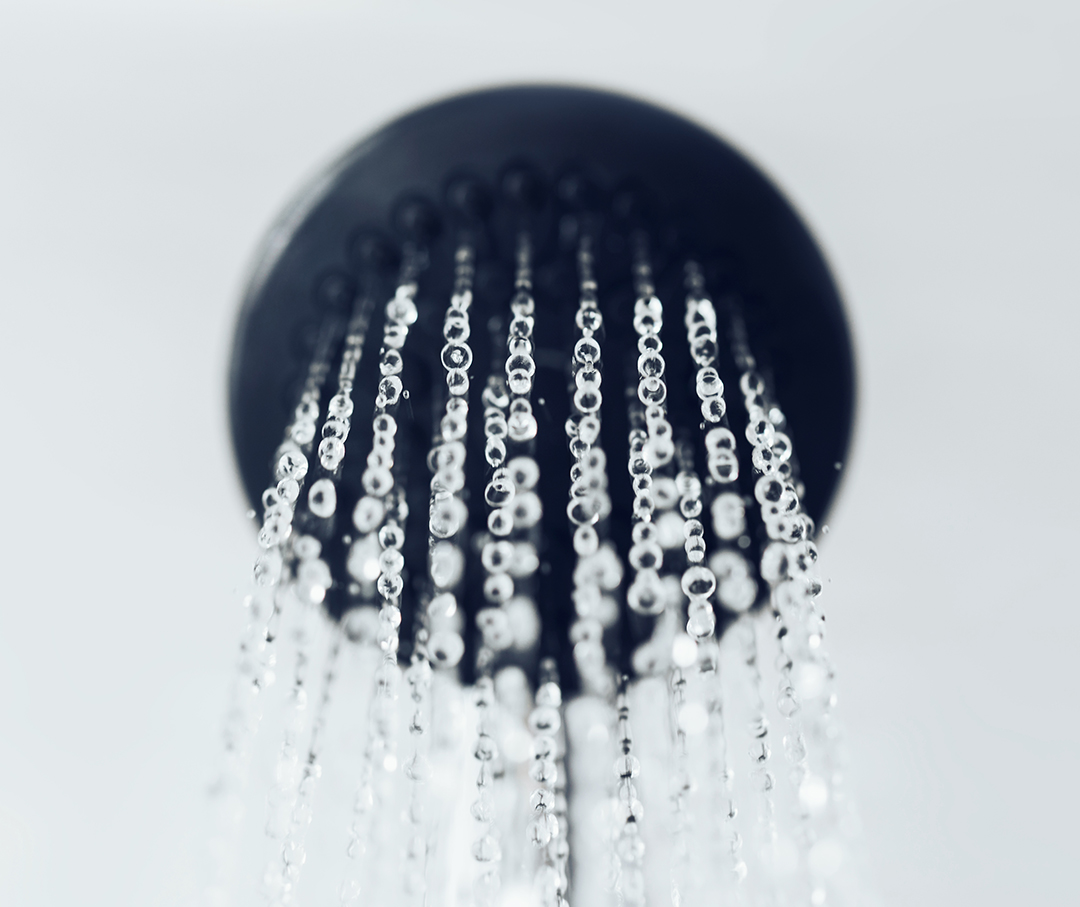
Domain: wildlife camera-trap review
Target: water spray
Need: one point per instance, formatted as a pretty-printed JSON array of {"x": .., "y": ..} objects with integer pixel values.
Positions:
[{"x": 541, "y": 395}]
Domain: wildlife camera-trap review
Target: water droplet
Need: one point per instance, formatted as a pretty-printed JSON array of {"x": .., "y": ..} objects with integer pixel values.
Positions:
[
  {"x": 331, "y": 453},
  {"x": 728, "y": 515},
  {"x": 275, "y": 530},
  {"x": 418, "y": 768},
  {"x": 390, "y": 363},
  {"x": 526, "y": 510},
  {"x": 523, "y": 621},
  {"x": 302, "y": 433},
  {"x": 456, "y": 356},
  {"x": 737, "y": 593},
  {"x": 786, "y": 702},
  {"x": 335, "y": 428},
  {"x": 652, "y": 390},
  {"x": 494, "y": 451},
  {"x": 751, "y": 383},
  {"x": 498, "y": 588},
  {"x": 627, "y": 766},
  {"x": 390, "y": 585},
  {"x": 521, "y": 427},
  {"x": 544, "y": 771},
  {"x": 695, "y": 549},
  {"x": 684, "y": 651},
  {"x": 447, "y": 565},
  {"x": 723, "y": 466},
  {"x": 713, "y": 409},
  {"x": 292, "y": 464},
  {"x": 646, "y": 594},
  {"x": 322, "y": 498},
  {"x": 701, "y": 621},
  {"x": 457, "y": 382},
  {"x": 542, "y": 829},
  {"x": 487, "y": 850},
  {"x": 587, "y": 351},
  {"x": 499, "y": 491},
  {"x": 708, "y": 383},
  {"x": 759, "y": 430},
  {"x": 544, "y": 720},
  {"x": 340, "y": 406},
  {"x": 446, "y": 648},
  {"x": 494, "y": 626},
  {"x": 690, "y": 507},
  {"x": 646, "y": 556},
  {"x": 377, "y": 481},
  {"x": 447, "y": 517},
  {"x": 524, "y": 472}
]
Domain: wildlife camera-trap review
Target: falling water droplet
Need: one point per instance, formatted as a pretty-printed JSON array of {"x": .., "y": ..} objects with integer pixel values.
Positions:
[{"x": 322, "y": 498}]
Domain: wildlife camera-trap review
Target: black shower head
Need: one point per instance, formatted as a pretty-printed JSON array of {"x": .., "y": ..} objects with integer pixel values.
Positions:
[{"x": 459, "y": 191}]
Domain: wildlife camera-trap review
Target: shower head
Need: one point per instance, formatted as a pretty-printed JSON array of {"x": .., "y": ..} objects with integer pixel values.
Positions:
[
  {"x": 556, "y": 167},
  {"x": 539, "y": 390}
]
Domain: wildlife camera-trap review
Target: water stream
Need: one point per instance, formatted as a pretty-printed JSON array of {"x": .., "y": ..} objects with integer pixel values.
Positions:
[{"x": 666, "y": 770}]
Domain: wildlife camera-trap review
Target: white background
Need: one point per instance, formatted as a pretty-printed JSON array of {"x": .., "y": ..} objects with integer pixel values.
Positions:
[{"x": 933, "y": 148}]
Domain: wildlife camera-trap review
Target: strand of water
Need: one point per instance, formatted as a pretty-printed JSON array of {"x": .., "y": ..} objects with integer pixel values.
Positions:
[
  {"x": 288, "y": 803},
  {"x": 438, "y": 635},
  {"x": 550, "y": 695},
  {"x": 383, "y": 502},
  {"x": 288, "y": 769},
  {"x": 497, "y": 557},
  {"x": 804, "y": 784},
  {"x": 731, "y": 578},
  {"x": 291, "y": 466},
  {"x": 510, "y": 559},
  {"x": 725, "y": 809},
  {"x": 359, "y": 627},
  {"x": 789, "y": 565},
  {"x": 418, "y": 771},
  {"x": 650, "y": 447},
  {"x": 522, "y": 618},
  {"x": 500, "y": 490},
  {"x": 293, "y": 851},
  {"x": 258, "y": 651},
  {"x": 313, "y": 578},
  {"x": 629, "y": 844},
  {"x": 364, "y": 804},
  {"x": 486, "y": 850},
  {"x": 598, "y": 570},
  {"x": 651, "y": 450},
  {"x": 760, "y": 750},
  {"x": 379, "y": 482},
  {"x": 257, "y": 656},
  {"x": 308, "y": 589},
  {"x": 547, "y": 830},
  {"x": 590, "y": 725},
  {"x": 311, "y": 582},
  {"x": 736, "y": 590},
  {"x": 680, "y": 785},
  {"x": 509, "y": 556},
  {"x": 698, "y": 585}
]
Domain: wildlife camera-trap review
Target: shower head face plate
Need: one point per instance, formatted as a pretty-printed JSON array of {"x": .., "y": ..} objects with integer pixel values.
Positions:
[{"x": 556, "y": 162}]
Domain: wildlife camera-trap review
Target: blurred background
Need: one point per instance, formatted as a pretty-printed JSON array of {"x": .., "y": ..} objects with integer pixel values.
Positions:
[{"x": 932, "y": 146}]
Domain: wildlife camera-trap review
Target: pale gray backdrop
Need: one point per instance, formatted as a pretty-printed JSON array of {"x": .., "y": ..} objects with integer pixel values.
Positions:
[{"x": 931, "y": 145}]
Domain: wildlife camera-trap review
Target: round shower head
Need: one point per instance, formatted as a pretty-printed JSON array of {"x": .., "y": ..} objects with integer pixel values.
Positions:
[{"x": 562, "y": 170}]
